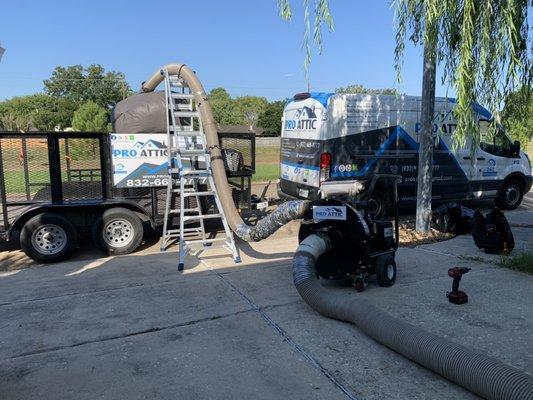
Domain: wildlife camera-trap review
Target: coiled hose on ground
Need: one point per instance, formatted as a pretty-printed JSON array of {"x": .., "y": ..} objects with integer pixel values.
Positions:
[{"x": 482, "y": 375}]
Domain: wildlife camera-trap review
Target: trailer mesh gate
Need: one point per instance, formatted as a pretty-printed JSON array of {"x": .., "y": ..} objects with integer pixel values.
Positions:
[{"x": 53, "y": 167}]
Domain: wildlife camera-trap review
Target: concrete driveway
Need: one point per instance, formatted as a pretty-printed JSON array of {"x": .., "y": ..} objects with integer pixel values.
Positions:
[{"x": 132, "y": 327}]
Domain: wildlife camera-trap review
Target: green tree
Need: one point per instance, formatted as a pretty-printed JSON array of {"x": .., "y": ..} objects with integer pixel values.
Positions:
[
  {"x": 38, "y": 111},
  {"x": 224, "y": 110},
  {"x": 482, "y": 46},
  {"x": 90, "y": 117},
  {"x": 249, "y": 108},
  {"x": 270, "y": 118},
  {"x": 238, "y": 111},
  {"x": 356, "y": 89},
  {"x": 517, "y": 115},
  {"x": 93, "y": 83}
]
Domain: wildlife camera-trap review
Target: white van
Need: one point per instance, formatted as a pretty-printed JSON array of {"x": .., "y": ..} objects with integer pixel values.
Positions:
[{"x": 330, "y": 137}]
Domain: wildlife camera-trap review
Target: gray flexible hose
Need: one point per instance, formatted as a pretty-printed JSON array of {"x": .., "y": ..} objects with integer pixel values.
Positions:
[
  {"x": 480, "y": 374},
  {"x": 268, "y": 225}
]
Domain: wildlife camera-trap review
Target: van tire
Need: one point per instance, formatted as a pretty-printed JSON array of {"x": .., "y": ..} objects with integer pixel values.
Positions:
[
  {"x": 118, "y": 231},
  {"x": 48, "y": 238},
  {"x": 510, "y": 195}
]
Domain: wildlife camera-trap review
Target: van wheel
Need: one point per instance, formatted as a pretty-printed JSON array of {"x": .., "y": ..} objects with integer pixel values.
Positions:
[
  {"x": 118, "y": 231},
  {"x": 510, "y": 195},
  {"x": 386, "y": 270},
  {"x": 48, "y": 238}
]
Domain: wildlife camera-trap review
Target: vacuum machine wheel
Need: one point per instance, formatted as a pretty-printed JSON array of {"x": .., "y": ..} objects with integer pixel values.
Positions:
[{"x": 386, "y": 270}]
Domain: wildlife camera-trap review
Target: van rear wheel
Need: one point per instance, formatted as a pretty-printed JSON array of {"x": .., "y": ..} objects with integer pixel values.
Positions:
[{"x": 510, "y": 195}]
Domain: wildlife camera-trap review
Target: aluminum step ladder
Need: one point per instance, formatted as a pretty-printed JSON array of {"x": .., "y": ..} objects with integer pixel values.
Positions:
[{"x": 189, "y": 166}]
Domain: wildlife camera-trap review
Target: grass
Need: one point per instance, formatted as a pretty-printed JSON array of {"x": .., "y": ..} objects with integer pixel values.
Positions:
[
  {"x": 14, "y": 180},
  {"x": 266, "y": 172},
  {"x": 522, "y": 262},
  {"x": 266, "y": 164}
]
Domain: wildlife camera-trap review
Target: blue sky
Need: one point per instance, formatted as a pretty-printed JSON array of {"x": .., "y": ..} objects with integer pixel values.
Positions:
[{"x": 241, "y": 45}]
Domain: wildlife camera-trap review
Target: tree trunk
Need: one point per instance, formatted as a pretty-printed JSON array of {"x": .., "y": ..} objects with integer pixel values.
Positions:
[{"x": 426, "y": 139}]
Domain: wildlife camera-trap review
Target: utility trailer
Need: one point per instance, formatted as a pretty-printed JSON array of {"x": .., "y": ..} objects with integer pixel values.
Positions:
[{"x": 57, "y": 187}]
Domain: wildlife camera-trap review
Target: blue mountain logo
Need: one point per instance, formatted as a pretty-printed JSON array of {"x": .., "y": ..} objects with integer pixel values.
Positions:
[{"x": 304, "y": 118}]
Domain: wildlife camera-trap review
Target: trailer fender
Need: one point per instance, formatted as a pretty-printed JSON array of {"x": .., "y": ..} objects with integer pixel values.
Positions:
[{"x": 87, "y": 208}]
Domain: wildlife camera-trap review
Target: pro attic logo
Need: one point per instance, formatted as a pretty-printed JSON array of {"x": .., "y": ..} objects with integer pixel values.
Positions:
[
  {"x": 150, "y": 148},
  {"x": 304, "y": 118},
  {"x": 329, "y": 212}
]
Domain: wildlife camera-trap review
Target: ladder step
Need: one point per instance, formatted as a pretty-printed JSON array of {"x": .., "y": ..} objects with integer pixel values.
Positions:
[
  {"x": 190, "y": 152},
  {"x": 206, "y": 240},
  {"x": 183, "y": 107},
  {"x": 186, "y": 96},
  {"x": 187, "y": 114},
  {"x": 178, "y": 211},
  {"x": 185, "y": 230},
  {"x": 199, "y": 217},
  {"x": 175, "y": 81},
  {"x": 182, "y": 151},
  {"x": 195, "y": 193},
  {"x": 180, "y": 132},
  {"x": 189, "y": 172}
]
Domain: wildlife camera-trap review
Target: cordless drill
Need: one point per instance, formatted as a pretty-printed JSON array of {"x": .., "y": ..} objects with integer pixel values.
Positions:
[{"x": 457, "y": 296}]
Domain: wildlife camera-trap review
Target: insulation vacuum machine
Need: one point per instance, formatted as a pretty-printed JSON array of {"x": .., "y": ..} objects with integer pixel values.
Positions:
[{"x": 365, "y": 244}]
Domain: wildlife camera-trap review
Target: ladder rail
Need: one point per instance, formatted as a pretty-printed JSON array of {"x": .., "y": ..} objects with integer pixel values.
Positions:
[{"x": 188, "y": 142}]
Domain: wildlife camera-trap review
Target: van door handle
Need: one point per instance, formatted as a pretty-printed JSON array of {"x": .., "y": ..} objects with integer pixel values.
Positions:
[
  {"x": 466, "y": 158},
  {"x": 481, "y": 158}
]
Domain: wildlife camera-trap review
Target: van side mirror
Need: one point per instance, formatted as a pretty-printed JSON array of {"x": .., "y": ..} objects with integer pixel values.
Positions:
[{"x": 516, "y": 147}]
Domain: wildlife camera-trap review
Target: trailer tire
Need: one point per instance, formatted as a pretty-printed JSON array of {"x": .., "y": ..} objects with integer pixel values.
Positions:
[
  {"x": 118, "y": 231},
  {"x": 48, "y": 238},
  {"x": 386, "y": 270},
  {"x": 510, "y": 195}
]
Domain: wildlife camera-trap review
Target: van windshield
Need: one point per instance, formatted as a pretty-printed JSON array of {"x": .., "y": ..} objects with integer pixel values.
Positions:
[{"x": 494, "y": 140}]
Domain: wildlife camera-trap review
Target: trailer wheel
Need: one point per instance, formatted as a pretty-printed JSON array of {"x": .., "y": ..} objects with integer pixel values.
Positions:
[
  {"x": 386, "y": 270},
  {"x": 48, "y": 238},
  {"x": 118, "y": 231},
  {"x": 510, "y": 195}
]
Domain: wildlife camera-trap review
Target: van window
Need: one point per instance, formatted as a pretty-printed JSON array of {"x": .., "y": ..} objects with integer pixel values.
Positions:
[{"x": 493, "y": 139}]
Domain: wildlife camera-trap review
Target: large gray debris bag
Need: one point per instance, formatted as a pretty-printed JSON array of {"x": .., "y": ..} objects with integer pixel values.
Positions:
[{"x": 141, "y": 113}]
